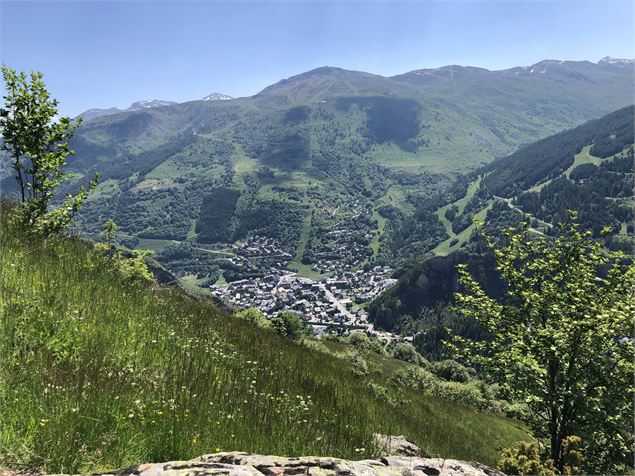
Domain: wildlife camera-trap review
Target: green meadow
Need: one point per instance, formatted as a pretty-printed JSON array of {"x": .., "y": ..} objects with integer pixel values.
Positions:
[{"x": 98, "y": 371}]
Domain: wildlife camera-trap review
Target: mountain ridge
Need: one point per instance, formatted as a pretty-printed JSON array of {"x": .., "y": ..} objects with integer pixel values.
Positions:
[
  {"x": 342, "y": 73},
  {"x": 91, "y": 114},
  {"x": 319, "y": 149}
]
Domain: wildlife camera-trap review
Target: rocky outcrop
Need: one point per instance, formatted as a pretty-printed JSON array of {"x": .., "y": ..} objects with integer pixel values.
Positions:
[
  {"x": 399, "y": 446},
  {"x": 246, "y": 464}
]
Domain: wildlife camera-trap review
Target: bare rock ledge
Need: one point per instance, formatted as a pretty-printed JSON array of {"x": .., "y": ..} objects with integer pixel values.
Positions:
[
  {"x": 246, "y": 464},
  {"x": 406, "y": 459}
]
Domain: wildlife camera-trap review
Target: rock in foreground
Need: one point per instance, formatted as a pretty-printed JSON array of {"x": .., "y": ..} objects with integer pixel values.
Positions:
[{"x": 246, "y": 464}]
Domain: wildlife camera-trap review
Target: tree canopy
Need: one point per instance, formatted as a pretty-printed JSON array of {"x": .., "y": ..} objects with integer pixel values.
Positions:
[
  {"x": 37, "y": 139},
  {"x": 560, "y": 339}
]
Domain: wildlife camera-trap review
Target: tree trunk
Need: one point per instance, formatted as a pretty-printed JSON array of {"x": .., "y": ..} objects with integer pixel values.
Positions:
[
  {"x": 554, "y": 417},
  {"x": 563, "y": 431},
  {"x": 18, "y": 168}
]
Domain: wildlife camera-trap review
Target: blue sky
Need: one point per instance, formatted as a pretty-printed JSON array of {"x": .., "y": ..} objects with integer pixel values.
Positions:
[{"x": 102, "y": 54}]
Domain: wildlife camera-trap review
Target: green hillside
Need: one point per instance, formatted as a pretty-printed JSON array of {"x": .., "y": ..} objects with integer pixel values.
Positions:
[
  {"x": 321, "y": 148},
  {"x": 98, "y": 371},
  {"x": 589, "y": 169}
]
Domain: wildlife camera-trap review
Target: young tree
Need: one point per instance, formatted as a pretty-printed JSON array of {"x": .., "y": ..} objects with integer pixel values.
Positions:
[
  {"x": 561, "y": 339},
  {"x": 109, "y": 230},
  {"x": 38, "y": 142}
]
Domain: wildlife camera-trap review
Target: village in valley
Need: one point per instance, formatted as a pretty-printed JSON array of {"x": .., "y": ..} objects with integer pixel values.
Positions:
[{"x": 334, "y": 303}]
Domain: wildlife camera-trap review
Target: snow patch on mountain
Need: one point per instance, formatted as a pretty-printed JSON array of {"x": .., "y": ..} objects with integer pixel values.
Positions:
[
  {"x": 136, "y": 106},
  {"x": 619, "y": 61},
  {"x": 217, "y": 97}
]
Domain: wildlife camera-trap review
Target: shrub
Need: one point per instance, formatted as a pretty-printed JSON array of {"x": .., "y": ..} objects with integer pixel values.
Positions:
[
  {"x": 134, "y": 267},
  {"x": 516, "y": 410},
  {"x": 37, "y": 139},
  {"x": 255, "y": 316},
  {"x": 361, "y": 341},
  {"x": 451, "y": 370},
  {"x": 358, "y": 362},
  {"x": 524, "y": 459},
  {"x": 407, "y": 353},
  {"x": 384, "y": 394},
  {"x": 467, "y": 394},
  {"x": 290, "y": 325},
  {"x": 416, "y": 378},
  {"x": 331, "y": 337}
]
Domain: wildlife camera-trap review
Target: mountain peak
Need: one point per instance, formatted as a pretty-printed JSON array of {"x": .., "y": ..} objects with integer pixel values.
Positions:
[
  {"x": 327, "y": 81},
  {"x": 217, "y": 97},
  {"x": 618, "y": 61},
  {"x": 146, "y": 104},
  {"x": 324, "y": 70}
]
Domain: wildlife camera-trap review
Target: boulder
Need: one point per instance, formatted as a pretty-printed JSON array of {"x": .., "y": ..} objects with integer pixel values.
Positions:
[{"x": 399, "y": 446}]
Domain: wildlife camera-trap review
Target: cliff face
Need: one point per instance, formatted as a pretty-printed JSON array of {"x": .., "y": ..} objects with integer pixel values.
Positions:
[{"x": 245, "y": 464}]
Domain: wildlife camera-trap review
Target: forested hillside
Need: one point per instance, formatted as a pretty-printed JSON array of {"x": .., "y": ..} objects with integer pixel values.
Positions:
[
  {"x": 588, "y": 169},
  {"x": 324, "y": 149}
]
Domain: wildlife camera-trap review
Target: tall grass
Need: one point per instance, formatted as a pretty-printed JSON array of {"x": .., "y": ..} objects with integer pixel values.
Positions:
[{"x": 98, "y": 372}]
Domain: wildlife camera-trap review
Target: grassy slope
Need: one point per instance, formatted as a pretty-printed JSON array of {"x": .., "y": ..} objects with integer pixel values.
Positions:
[
  {"x": 444, "y": 248},
  {"x": 98, "y": 372},
  {"x": 584, "y": 157}
]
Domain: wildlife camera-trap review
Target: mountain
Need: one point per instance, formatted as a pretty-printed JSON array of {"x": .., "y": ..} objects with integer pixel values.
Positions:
[
  {"x": 217, "y": 97},
  {"x": 91, "y": 114},
  {"x": 135, "y": 106},
  {"x": 588, "y": 169},
  {"x": 622, "y": 62},
  {"x": 139, "y": 105},
  {"x": 321, "y": 160}
]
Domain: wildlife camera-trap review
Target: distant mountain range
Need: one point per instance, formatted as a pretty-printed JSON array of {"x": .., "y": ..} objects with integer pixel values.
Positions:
[
  {"x": 578, "y": 70},
  {"x": 140, "y": 105},
  {"x": 324, "y": 149},
  {"x": 135, "y": 106}
]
